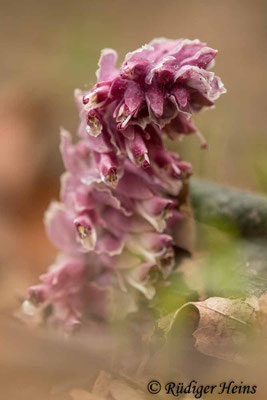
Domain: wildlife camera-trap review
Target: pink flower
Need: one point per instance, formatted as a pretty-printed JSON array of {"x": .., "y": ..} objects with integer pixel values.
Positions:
[
  {"x": 163, "y": 80},
  {"x": 118, "y": 213},
  {"x": 69, "y": 291}
]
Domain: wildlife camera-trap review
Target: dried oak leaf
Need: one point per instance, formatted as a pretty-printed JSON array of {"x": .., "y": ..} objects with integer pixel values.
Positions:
[{"x": 221, "y": 327}]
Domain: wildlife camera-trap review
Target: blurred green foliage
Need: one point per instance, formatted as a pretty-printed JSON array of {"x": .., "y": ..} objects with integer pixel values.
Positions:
[{"x": 171, "y": 297}]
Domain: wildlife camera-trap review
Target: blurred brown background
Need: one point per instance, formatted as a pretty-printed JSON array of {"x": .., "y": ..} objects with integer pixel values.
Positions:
[{"x": 49, "y": 48}]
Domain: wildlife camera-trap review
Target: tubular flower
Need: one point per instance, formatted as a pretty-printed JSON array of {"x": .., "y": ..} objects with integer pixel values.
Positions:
[
  {"x": 69, "y": 291},
  {"x": 121, "y": 196}
]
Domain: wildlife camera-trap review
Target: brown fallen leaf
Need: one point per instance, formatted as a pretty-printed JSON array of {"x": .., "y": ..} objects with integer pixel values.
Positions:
[
  {"x": 220, "y": 326},
  {"x": 102, "y": 384},
  {"x": 121, "y": 391},
  {"x": 81, "y": 394},
  {"x": 107, "y": 387}
]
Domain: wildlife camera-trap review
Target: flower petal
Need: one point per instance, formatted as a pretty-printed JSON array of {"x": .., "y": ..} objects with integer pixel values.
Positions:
[
  {"x": 107, "y": 62},
  {"x": 60, "y": 228},
  {"x": 155, "y": 99}
]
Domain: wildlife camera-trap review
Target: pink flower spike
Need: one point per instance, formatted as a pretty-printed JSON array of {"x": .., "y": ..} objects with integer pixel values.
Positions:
[{"x": 121, "y": 219}]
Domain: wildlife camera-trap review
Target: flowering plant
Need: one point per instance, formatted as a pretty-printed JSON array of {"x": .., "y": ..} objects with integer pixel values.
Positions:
[{"x": 122, "y": 193}]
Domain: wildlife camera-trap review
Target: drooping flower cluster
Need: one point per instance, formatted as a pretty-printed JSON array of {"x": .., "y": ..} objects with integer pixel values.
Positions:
[{"x": 120, "y": 200}]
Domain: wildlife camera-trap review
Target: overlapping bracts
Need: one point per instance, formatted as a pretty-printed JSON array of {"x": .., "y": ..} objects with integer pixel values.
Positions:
[{"x": 120, "y": 198}]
